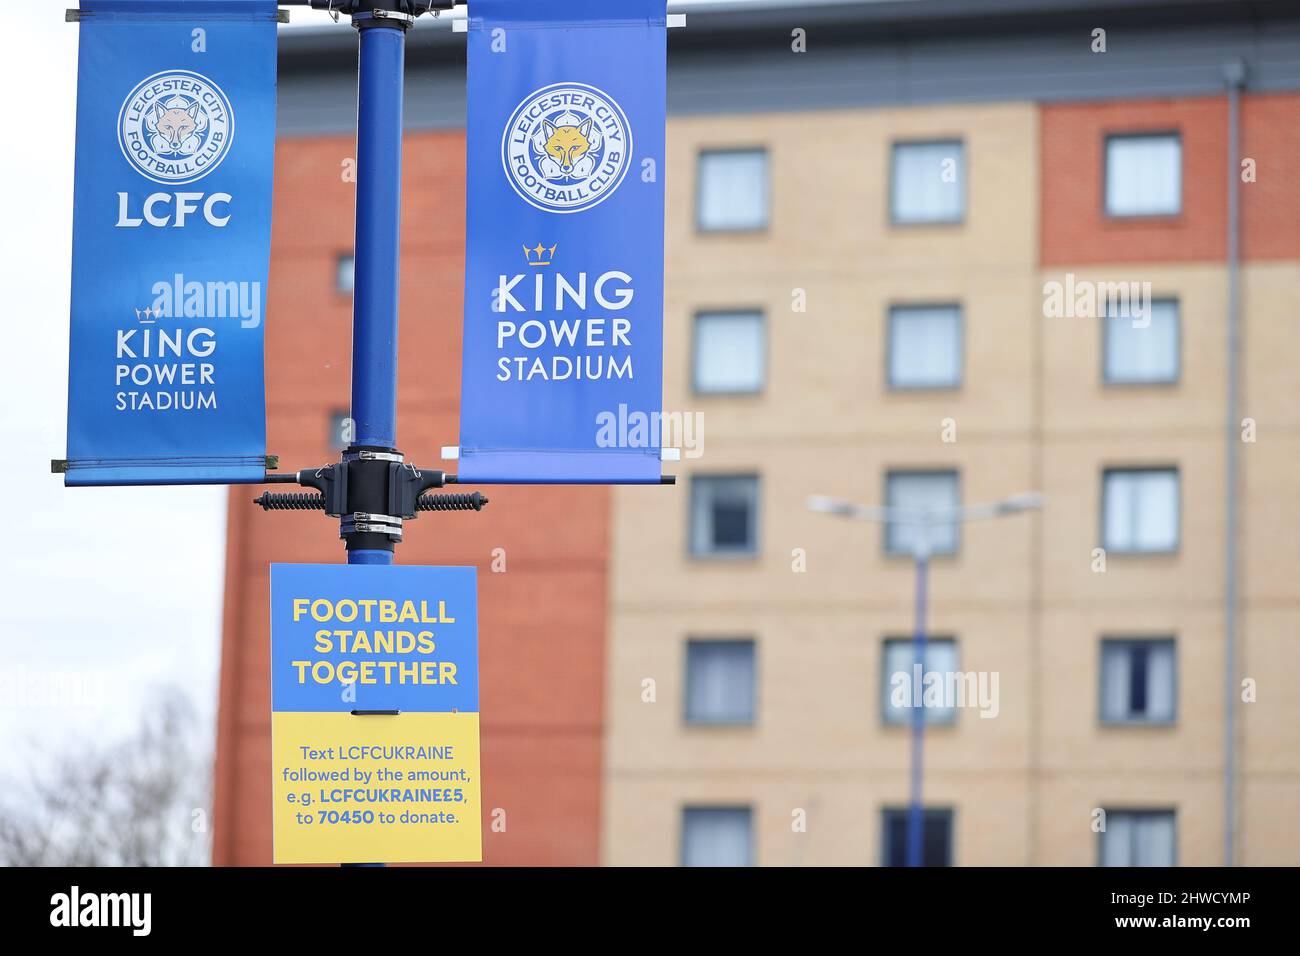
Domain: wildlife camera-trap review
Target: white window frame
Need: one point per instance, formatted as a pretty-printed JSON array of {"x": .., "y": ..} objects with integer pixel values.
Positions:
[
  {"x": 890, "y": 529},
  {"x": 764, "y": 218},
  {"x": 704, "y": 810},
  {"x": 1108, "y": 341},
  {"x": 1125, "y": 645},
  {"x": 927, "y": 813},
  {"x": 696, "y": 645},
  {"x": 697, "y": 353},
  {"x": 1132, "y": 816},
  {"x": 341, "y": 286},
  {"x": 897, "y": 314},
  {"x": 1108, "y": 174},
  {"x": 1113, "y": 547},
  {"x": 697, "y": 506},
  {"x": 902, "y": 717},
  {"x": 958, "y": 145}
]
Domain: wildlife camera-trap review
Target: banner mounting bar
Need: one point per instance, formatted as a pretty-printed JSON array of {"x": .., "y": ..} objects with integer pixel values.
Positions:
[
  {"x": 72, "y": 15},
  {"x": 461, "y": 25}
]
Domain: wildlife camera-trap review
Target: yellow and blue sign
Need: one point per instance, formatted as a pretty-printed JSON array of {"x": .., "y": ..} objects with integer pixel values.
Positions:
[
  {"x": 564, "y": 242},
  {"x": 374, "y": 714},
  {"x": 171, "y": 239}
]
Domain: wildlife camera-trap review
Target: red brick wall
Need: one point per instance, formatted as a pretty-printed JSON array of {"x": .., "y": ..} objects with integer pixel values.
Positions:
[
  {"x": 1270, "y": 206},
  {"x": 1074, "y": 229},
  {"x": 541, "y": 623}
]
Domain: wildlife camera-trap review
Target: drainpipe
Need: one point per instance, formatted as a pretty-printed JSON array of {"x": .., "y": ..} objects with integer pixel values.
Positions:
[{"x": 1234, "y": 76}]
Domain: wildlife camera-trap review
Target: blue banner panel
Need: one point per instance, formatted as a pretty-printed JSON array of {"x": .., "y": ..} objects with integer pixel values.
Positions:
[
  {"x": 564, "y": 242},
  {"x": 374, "y": 637},
  {"x": 171, "y": 239}
]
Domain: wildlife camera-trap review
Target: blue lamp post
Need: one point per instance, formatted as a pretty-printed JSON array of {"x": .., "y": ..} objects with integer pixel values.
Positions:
[{"x": 923, "y": 523}]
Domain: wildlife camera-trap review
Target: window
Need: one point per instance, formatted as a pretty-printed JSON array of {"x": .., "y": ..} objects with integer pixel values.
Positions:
[
  {"x": 900, "y": 688},
  {"x": 1140, "y": 510},
  {"x": 717, "y": 836},
  {"x": 922, "y": 492},
  {"x": 936, "y": 837},
  {"x": 928, "y": 183},
  {"x": 730, "y": 352},
  {"x": 720, "y": 682},
  {"x": 925, "y": 346},
  {"x": 1139, "y": 838},
  {"x": 724, "y": 515},
  {"x": 1144, "y": 175},
  {"x": 1138, "y": 681},
  {"x": 1141, "y": 354},
  {"x": 340, "y": 430},
  {"x": 344, "y": 273},
  {"x": 732, "y": 192}
]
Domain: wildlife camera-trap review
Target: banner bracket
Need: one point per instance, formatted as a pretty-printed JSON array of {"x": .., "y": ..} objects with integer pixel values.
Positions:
[
  {"x": 72, "y": 15},
  {"x": 673, "y": 21},
  {"x": 369, "y": 477}
]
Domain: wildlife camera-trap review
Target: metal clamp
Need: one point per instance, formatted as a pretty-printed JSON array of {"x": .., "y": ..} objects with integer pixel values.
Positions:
[
  {"x": 405, "y": 20},
  {"x": 396, "y": 456},
  {"x": 362, "y": 516},
  {"x": 360, "y": 522}
]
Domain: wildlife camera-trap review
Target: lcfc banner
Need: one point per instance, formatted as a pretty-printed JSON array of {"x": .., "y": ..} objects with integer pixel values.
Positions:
[
  {"x": 170, "y": 241},
  {"x": 562, "y": 378},
  {"x": 374, "y": 714}
]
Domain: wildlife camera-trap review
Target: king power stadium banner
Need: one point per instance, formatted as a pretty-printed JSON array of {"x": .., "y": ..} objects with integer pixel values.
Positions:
[
  {"x": 562, "y": 378},
  {"x": 170, "y": 241}
]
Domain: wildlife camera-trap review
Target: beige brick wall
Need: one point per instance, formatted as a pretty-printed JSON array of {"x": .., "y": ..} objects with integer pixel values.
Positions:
[{"x": 1021, "y": 596}]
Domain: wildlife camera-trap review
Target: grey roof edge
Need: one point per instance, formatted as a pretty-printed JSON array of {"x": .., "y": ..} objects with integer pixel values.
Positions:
[
  {"x": 1180, "y": 52},
  {"x": 713, "y": 24}
]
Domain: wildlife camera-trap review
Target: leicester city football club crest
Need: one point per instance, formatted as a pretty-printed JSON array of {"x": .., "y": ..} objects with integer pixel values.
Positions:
[
  {"x": 175, "y": 126},
  {"x": 566, "y": 147}
]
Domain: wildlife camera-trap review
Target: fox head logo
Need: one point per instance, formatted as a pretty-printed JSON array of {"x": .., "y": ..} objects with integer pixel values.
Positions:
[
  {"x": 175, "y": 125},
  {"x": 567, "y": 145}
]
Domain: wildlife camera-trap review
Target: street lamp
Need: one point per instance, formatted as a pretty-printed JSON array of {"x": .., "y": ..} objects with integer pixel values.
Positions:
[{"x": 924, "y": 521}]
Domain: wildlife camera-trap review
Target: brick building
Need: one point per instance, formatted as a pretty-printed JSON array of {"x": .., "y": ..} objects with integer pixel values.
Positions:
[{"x": 920, "y": 176}]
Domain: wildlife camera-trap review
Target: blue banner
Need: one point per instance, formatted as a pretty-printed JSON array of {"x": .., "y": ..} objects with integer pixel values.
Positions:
[
  {"x": 365, "y": 637},
  {"x": 562, "y": 377},
  {"x": 171, "y": 241}
]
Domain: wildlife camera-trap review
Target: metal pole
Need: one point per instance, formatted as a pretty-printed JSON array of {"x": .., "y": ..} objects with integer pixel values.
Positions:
[
  {"x": 915, "y": 817},
  {"x": 924, "y": 521},
  {"x": 1235, "y": 76},
  {"x": 378, "y": 224},
  {"x": 381, "y": 61}
]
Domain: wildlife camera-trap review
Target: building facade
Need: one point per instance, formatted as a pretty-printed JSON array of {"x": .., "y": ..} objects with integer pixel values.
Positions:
[{"x": 923, "y": 254}]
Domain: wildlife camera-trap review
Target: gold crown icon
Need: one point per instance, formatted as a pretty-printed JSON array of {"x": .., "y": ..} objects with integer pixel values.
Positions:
[{"x": 539, "y": 255}]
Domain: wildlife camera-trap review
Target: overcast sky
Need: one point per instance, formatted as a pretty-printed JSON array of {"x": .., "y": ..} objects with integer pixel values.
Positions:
[{"x": 120, "y": 588}]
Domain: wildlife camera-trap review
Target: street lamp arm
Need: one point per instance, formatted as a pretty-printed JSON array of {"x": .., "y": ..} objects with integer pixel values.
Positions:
[
  {"x": 1015, "y": 504},
  {"x": 1030, "y": 501},
  {"x": 847, "y": 509}
]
